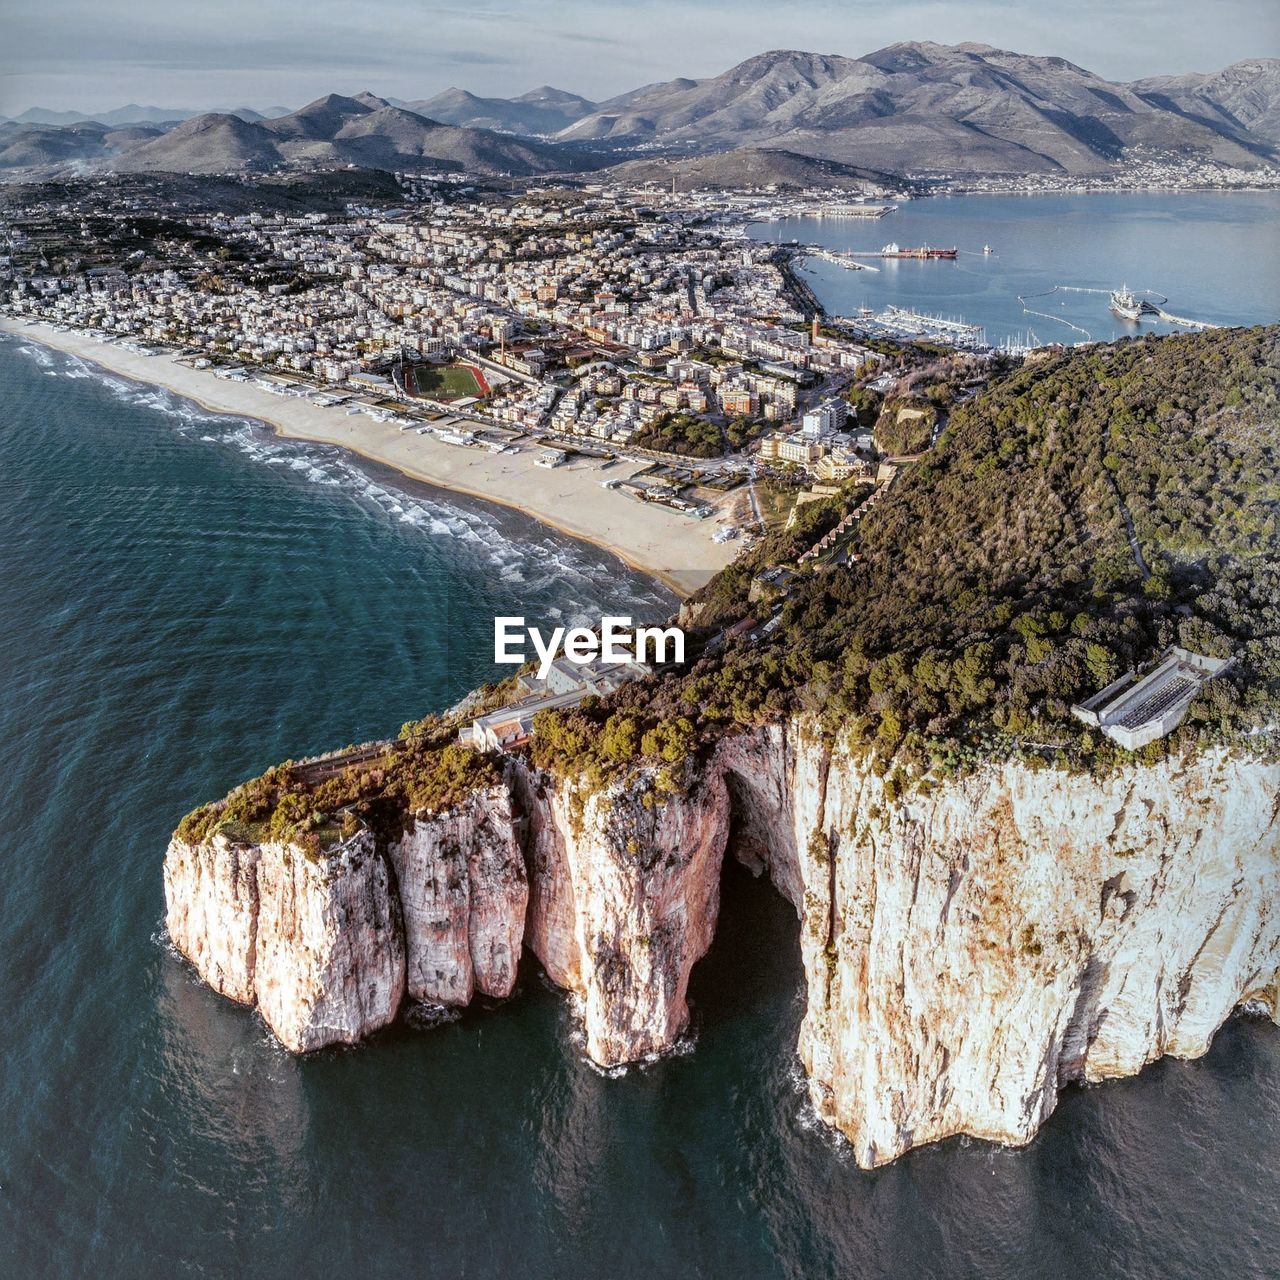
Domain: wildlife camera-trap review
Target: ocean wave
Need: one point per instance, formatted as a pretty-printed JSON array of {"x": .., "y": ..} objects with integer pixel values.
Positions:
[
  {"x": 34, "y": 351},
  {"x": 578, "y": 578}
]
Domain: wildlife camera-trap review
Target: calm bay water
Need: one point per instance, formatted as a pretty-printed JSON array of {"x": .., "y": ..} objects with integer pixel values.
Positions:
[
  {"x": 1215, "y": 256},
  {"x": 186, "y": 601}
]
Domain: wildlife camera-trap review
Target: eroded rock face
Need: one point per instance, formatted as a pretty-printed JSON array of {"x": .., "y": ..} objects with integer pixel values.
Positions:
[
  {"x": 625, "y": 894},
  {"x": 463, "y": 892},
  {"x": 211, "y": 897},
  {"x": 327, "y": 946},
  {"x": 968, "y": 949},
  {"x": 329, "y": 961}
]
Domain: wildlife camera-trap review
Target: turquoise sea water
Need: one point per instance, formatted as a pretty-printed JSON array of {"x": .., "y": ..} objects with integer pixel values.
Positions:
[
  {"x": 185, "y": 601},
  {"x": 1215, "y": 256}
]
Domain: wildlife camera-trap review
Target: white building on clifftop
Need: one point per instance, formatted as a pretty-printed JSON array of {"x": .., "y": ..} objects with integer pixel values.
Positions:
[{"x": 1134, "y": 711}]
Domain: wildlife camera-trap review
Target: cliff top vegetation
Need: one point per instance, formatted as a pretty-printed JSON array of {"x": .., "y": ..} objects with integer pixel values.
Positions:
[
  {"x": 320, "y": 803},
  {"x": 1069, "y": 524}
]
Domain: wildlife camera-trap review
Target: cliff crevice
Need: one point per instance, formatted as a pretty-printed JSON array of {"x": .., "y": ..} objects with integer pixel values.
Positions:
[{"x": 970, "y": 946}]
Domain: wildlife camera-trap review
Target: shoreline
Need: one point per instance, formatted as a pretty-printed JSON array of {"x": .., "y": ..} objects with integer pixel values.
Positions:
[
  {"x": 672, "y": 548},
  {"x": 1107, "y": 191}
]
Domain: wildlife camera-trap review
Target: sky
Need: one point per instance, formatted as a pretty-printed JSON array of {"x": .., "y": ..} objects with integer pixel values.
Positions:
[{"x": 88, "y": 55}]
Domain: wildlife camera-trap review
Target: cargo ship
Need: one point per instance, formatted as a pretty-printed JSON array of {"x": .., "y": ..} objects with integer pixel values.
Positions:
[
  {"x": 924, "y": 251},
  {"x": 1128, "y": 306}
]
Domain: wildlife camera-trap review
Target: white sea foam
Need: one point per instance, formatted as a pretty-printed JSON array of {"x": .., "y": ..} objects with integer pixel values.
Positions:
[
  {"x": 538, "y": 566},
  {"x": 34, "y": 351},
  {"x": 807, "y": 1118}
]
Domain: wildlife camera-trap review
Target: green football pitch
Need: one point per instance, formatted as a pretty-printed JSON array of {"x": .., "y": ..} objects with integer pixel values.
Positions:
[{"x": 446, "y": 382}]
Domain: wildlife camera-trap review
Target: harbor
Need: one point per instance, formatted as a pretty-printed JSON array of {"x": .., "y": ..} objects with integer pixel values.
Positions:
[
  {"x": 905, "y": 323},
  {"x": 1123, "y": 303},
  {"x": 1207, "y": 260}
]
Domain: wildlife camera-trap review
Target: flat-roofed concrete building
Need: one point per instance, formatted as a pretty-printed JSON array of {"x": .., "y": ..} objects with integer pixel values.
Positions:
[
  {"x": 1135, "y": 710},
  {"x": 566, "y": 685}
]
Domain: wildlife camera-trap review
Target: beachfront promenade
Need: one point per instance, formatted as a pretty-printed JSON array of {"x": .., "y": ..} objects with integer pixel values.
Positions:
[{"x": 648, "y": 536}]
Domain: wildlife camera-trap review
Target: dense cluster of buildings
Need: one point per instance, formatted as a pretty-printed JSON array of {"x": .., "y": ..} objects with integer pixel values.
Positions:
[
  {"x": 593, "y": 314},
  {"x": 1143, "y": 169}
]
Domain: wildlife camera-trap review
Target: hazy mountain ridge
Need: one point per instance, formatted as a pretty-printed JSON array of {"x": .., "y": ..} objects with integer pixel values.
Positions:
[
  {"x": 921, "y": 107},
  {"x": 913, "y": 108},
  {"x": 542, "y": 112},
  {"x": 134, "y": 114},
  {"x": 364, "y": 130},
  {"x": 37, "y": 146}
]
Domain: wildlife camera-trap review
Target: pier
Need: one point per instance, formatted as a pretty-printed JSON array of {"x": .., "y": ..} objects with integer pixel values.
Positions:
[
  {"x": 841, "y": 258},
  {"x": 1156, "y": 309},
  {"x": 849, "y": 211}
]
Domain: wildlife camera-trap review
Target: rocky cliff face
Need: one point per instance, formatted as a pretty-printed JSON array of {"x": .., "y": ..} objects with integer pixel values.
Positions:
[
  {"x": 328, "y": 960},
  {"x": 973, "y": 948},
  {"x": 316, "y": 944},
  {"x": 327, "y": 947},
  {"x": 968, "y": 949},
  {"x": 625, "y": 897},
  {"x": 463, "y": 892}
]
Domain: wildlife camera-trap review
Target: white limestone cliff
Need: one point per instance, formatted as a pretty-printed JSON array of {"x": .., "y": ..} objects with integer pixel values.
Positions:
[
  {"x": 329, "y": 959},
  {"x": 463, "y": 891},
  {"x": 625, "y": 893},
  {"x": 328, "y": 945},
  {"x": 315, "y": 943},
  {"x": 977, "y": 945},
  {"x": 211, "y": 899},
  {"x": 969, "y": 948}
]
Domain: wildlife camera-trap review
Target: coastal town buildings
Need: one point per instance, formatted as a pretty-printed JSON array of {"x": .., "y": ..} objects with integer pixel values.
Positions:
[{"x": 606, "y": 316}]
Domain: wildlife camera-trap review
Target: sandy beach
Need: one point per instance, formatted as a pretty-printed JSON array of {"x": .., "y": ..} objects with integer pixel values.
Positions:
[{"x": 666, "y": 544}]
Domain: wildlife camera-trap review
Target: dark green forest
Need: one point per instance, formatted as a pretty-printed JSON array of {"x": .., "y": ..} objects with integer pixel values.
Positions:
[
  {"x": 998, "y": 582},
  {"x": 1068, "y": 525}
]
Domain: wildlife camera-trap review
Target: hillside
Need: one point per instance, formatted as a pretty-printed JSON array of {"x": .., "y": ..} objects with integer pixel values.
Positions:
[
  {"x": 205, "y": 144},
  {"x": 133, "y": 114},
  {"x": 37, "y": 146},
  {"x": 164, "y": 194},
  {"x": 1243, "y": 96},
  {"x": 919, "y": 107},
  {"x": 989, "y": 907},
  {"x": 540, "y": 113},
  {"x": 998, "y": 584},
  {"x": 363, "y": 130},
  {"x": 749, "y": 167}
]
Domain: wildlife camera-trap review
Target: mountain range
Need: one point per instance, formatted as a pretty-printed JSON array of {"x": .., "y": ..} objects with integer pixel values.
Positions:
[
  {"x": 913, "y": 108},
  {"x": 928, "y": 108},
  {"x": 134, "y": 114},
  {"x": 365, "y": 131},
  {"x": 543, "y": 112}
]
